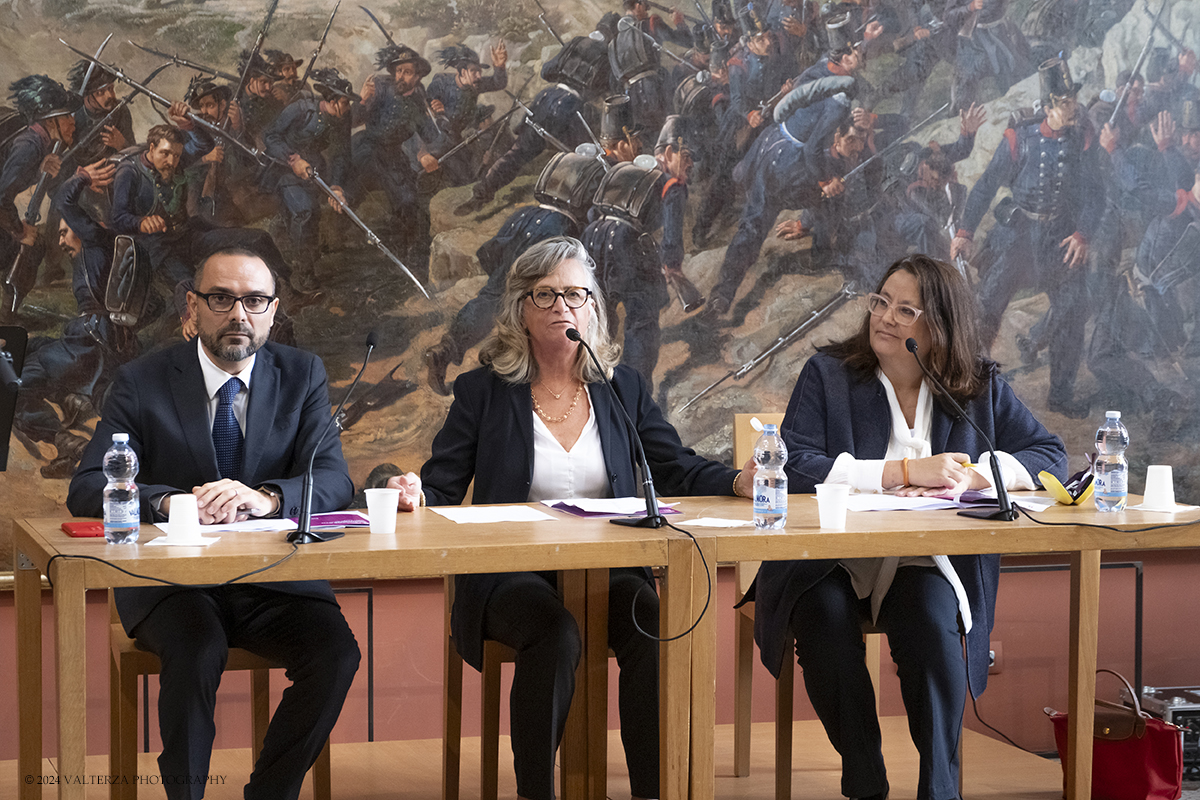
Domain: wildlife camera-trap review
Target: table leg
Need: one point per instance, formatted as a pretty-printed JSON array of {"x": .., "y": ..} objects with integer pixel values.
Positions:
[
  {"x": 596, "y": 654},
  {"x": 573, "y": 752},
  {"x": 702, "y": 767},
  {"x": 675, "y": 616},
  {"x": 1085, "y": 615},
  {"x": 28, "y": 603},
  {"x": 70, "y": 626}
]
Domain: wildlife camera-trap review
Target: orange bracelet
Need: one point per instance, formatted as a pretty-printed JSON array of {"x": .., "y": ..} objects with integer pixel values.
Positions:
[{"x": 904, "y": 466}]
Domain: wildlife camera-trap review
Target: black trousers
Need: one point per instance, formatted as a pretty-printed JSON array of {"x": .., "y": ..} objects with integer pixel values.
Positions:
[
  {"x": 526, "y": 613},
  {"x": 920, "y": 616},
  {"x": 191, "y": 633}
]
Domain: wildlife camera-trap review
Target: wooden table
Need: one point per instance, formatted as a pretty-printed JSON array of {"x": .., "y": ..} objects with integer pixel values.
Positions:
[
  {"x": 912, "y": 533},
  {"x": 425, "y": 544}
]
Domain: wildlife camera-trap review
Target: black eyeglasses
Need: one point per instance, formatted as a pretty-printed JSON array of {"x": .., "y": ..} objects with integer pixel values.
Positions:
[
  {"x": 545, "y": 297},
  {"x": 222, "y": 303}
]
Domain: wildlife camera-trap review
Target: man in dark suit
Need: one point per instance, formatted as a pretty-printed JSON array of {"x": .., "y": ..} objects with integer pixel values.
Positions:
[{"x": 231, "y": 418}]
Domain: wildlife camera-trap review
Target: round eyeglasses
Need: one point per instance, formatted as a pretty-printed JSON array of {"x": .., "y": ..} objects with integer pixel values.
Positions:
[
  {"x": 545, "y": 297},
  {"x": 222, "y": 303},
  {"x": 905, "y": 315}
]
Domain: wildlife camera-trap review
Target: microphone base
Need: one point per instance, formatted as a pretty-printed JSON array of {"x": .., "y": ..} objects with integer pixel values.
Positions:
[
  {"x": 993, "y": 514},
  {"x": 656, "y": 521},
  {"x": 312, "y": 537}
]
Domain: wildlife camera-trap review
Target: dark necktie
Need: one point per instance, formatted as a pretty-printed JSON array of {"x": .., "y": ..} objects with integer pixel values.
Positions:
[{"x": 227, "y": 436}]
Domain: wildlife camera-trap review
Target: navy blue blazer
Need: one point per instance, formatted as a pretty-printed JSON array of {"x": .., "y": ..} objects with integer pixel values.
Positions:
[
  {"x": 488, "y": 436},
  {"x": 831, "y": 412},
  {"x": 161, "y": 402}
]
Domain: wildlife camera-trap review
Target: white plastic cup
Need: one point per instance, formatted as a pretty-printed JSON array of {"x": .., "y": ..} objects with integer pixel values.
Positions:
[
  {"x": 183, "y": 519},
  {"x": 382, "y": 507},
  {"x": 832, "y": 499},
  {"x": 1160, "y": 488}
]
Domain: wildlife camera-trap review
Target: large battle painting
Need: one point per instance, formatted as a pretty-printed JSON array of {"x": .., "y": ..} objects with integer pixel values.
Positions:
[{"x": 742, "y": 174}]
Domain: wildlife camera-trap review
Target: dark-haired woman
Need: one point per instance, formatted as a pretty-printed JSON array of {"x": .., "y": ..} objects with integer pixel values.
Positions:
[{"x": 862, "y": 414}]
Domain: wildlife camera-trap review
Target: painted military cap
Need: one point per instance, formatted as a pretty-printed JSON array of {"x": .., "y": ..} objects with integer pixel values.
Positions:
[
  {"x": 1054, "y": 78},
  {"x": 202, "y": 86},
  {"x": 99, "y": 78},
  {"x": 39, "y": 97},
  {"x": 329, "y": 83},
  {"x": 394, "y": 55},
  {"x": 459, "y": 56}
]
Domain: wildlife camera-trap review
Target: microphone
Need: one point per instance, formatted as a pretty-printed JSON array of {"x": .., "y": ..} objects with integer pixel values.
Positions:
[
  {"x": 1005, "y": 512},
  {"x": 653, "y": 519},
  {"x": 9, "y": 378},
  {"x": 304, "y": 533}
]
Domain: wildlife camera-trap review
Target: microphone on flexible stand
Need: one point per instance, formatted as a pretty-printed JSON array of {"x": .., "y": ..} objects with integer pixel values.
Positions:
[
  {"x": 304, "y": 533},
  {"x": 1005, "y": 512},
  {"x": 653, "y": 519}
]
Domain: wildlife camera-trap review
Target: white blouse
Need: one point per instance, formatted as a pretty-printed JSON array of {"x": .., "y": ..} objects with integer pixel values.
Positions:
[
  {"x": 561, "y": 473},
  {"x": 872, "y": 577}
]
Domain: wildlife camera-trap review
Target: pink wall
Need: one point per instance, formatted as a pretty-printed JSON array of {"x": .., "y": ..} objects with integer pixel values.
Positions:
[{"x": 1031, "y": 627}]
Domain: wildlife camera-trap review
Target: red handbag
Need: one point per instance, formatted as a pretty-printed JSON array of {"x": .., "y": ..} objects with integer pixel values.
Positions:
[{"x": 1135, "y": 756}]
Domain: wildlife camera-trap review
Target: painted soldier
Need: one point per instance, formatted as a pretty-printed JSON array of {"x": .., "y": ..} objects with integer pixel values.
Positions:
[
  {"x": 1042, "y": 234},
  {"x": 457, "y": 93},
  {"x": 99, "y": 98},
  {"x": 579, "y": 74},
  {"x": 634, "y": 201},
  {"x": 224, "y": 176},
  {"x": 72, "y": 371},
  {"x": 702, "y": 101},
  {"x": 564, "y": 194},
  {"x": 1167, "y": 83},
  {"x": 755, "y": 76},
  {"x": 395, "y": 110},
  {"x": 1167, "y": 264},
  {"x": 933, "y": 203},
  {"x": 310, "y": 134},
  {"x": 989, "y": 44},
  {"x": 47, "y": 109},
  {"x": 258, "y": 105},
  {"x": 795, "y": 163},
  {"x": 636, "y": 64}
]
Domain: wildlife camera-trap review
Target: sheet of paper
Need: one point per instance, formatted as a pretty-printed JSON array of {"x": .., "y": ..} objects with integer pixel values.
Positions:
[
  {"x": 717, "y": 522},
  {"x": 606, "y": 506},
  {"x": 247, "y": 525},
  {"x": 1178, "y": 507},
  {"x": 1033, "y": 503},
  {"x": 203, "y": 541},
  {"x": 891, "y": 502},
  {"x": 491, "y": 513}
]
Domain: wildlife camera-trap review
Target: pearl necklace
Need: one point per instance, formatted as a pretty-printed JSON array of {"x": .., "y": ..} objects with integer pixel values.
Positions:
[{"x": 574, "y": 401}]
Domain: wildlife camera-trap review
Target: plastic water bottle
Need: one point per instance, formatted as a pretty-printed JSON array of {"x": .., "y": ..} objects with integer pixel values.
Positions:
[
  {"x": 122, "y": 509},
  {"x": 770, "y": 482},
  {"x": 1111, "y": 470}
]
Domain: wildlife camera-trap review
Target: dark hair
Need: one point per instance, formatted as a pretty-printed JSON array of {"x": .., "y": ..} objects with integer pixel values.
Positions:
[
  {"x": 159, "y": 132},
  {"x": 952, "y": 315},
  {"x": 232, "y": 250}
]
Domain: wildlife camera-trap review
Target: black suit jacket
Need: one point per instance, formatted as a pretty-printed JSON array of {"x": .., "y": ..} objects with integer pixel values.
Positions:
[
  {"x": 161, "y": 402},
  {"x": 488, "y": 436}
]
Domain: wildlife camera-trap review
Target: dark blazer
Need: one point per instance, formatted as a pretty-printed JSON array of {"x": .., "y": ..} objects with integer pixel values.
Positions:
[
  {"x": 161, "y": 402},
  {"x": 831, "y": 412},
  {"x": 488, "y": 436}
]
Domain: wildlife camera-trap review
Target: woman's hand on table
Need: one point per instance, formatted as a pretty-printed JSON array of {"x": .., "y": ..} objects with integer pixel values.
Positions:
[
  {"x": 409, "y": 485},
  {"x": 943, "y": 475}
]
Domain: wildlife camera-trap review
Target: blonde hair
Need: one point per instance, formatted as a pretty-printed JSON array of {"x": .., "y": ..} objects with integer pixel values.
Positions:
[{"x": 507, "y": 350}]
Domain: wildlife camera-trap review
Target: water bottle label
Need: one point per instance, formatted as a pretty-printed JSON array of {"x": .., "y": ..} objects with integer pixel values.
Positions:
[
  {"x": 122, "y": 513},
  {"x": 769, "y": 499},
  {"x": 1112, "y": 484}
]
